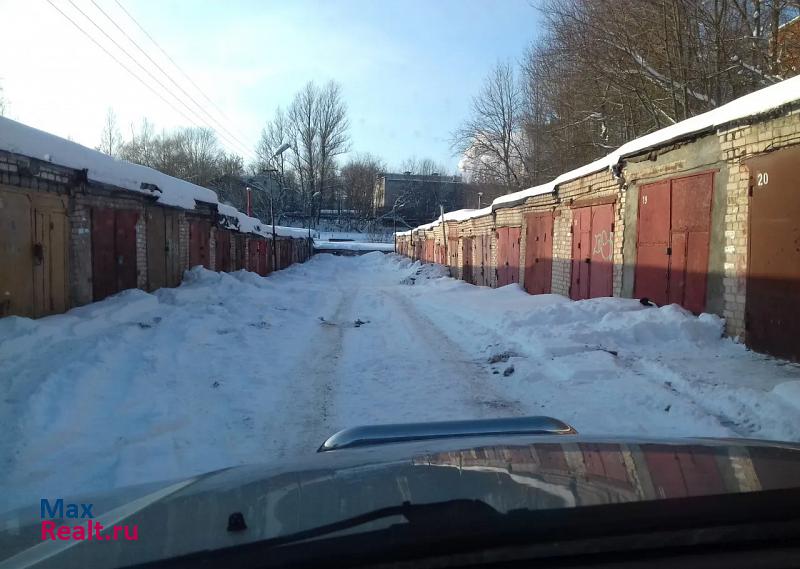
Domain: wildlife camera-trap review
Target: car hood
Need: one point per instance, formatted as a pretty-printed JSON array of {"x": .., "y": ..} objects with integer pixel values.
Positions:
[{"x": 535, "y": 473}]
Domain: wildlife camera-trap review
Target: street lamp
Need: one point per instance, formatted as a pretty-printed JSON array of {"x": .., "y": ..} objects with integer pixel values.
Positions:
[{"x": 480, "y": 195}]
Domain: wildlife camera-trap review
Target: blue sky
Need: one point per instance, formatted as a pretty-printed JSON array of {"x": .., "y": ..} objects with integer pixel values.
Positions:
[{"x": 407, "y": 68}]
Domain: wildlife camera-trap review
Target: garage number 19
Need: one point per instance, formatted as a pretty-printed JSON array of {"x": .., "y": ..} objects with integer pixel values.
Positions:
[{"x": 762, "y": 179}]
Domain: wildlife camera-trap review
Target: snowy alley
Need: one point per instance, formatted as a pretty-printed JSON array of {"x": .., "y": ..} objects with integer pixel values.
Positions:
[{"x": 230, "y": 369}]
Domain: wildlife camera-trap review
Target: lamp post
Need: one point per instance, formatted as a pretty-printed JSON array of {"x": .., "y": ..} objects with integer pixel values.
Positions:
[{"x": 480, "y": 195}]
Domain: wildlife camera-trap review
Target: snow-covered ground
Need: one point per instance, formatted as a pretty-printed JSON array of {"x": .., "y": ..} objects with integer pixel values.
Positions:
[
  {"x": 234, "y": 368},
  {"x": 352, "y": 246}
]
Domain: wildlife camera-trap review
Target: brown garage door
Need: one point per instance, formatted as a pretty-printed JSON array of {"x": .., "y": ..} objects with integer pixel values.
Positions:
[
  {"x": 222, "y": 252},
  {"x": 466, "y": 254},
  {"x": 539, "y": 253},
  {"x": 113, "y": 251},
  {"x": 33, "y": 240},
  {"x": 163, "y": 254},
  {"x": 199, "y": 239},
  {"x": 239, "y": 260},
  {"x": 672, "y": 241},
  {"x": 772, "y": 315},
  {"x": 428, "y": 251}
]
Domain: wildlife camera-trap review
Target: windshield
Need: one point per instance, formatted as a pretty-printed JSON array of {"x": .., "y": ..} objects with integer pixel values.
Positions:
[{"x": 230, "y": 230}]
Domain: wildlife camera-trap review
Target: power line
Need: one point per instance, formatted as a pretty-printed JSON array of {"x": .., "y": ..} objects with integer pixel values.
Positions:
[
  {"x": 167, "y": 75},
  {"x": 178, "y": 67},
  {"x": 125, "y": 67},
  {"x": 153, "y": 77},
  {"x": 147, "y": 71}
]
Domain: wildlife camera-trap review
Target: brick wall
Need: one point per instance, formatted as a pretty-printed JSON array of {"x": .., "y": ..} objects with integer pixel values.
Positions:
[
  {"x": 80, "y": 257},
  {"x": 141, "y": 251}
]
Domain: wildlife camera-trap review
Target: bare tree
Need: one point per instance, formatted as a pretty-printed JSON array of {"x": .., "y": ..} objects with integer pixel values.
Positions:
[
  {"x": 110, "y": 138},
  {"x": 491, "y": 140},
  {"x": 358, "y": 176},
  {"x": 332, "y": 126},
  {"x": 608, "y": 71}
]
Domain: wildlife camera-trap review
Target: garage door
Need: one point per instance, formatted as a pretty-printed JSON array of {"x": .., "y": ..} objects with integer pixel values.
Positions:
[
  {"x": 539, "y": 253},
  {"x": 772, "y": 314},
  {"x": 672, "y": 241},
  {"x": 199, "y": 240},
  {"x": 33, "y": 240},
  {"x": 592, "y": 252},
  {"x": 163, "y": 253},
  {"x": 466, "y": 254},
  {"x": 507, "y": 255},
  {"x": 113, "y": 251},
  {"x": 222, "y": 251}
]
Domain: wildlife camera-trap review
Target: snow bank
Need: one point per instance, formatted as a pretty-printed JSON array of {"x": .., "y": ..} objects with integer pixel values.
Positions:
[{"x": 142, "y": 387}]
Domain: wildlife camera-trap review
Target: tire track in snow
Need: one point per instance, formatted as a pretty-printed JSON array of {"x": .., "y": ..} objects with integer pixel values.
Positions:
[
  {"x": 316, "y": 376},
  {"x": 469, "y": 373}
]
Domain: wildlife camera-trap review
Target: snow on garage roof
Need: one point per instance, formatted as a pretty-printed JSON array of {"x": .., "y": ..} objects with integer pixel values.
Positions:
[
  {"x": 751, "y": 105},
  {"x": 21, "y": 139},
  {"x": 249, "y": 224}
]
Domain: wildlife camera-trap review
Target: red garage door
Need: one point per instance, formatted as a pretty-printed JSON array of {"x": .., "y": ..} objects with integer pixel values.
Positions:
[
  {"x": 539, "y": 253},
  {"x": 592, "y": 251},
  {"x": 113, "y": 251},
  {"x": 507, "y": 255},
  {"x": 672, "y": 241}
]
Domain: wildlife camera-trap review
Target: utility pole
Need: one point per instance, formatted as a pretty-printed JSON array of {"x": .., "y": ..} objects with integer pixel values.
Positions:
[{"x": 444, "y": 237}]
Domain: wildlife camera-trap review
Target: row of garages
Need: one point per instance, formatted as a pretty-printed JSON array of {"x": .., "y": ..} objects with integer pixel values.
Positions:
[
  {"x": 66, "y": 240},
  {"x": 709, "y": 220}
]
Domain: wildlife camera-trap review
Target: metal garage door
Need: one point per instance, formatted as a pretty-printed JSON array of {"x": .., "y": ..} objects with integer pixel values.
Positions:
[
  {"x": 113, "y": 251},
  {"x": 222, "y": 250},
  {"x": 467, "y": 249},
  {"x": 507, "y": 255},
  {"x": 428, "y": 251},
  {"x": 539, "y": 253},
  {"x": 199, "y": 238},
  {"x": 33, "y": 240},
  {"x": 163, "y": 252},
  {"x": 240, "y": 262},
  {"x": 672, "y": 241},
  {"x": 452, "y": 252},
  {"x": 592, "y": 252},
  {"x": 772, "y": 315}
]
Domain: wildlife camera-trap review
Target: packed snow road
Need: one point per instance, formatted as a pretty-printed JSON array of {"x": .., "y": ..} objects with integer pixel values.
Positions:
[{"x": 234, "y": 368}]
